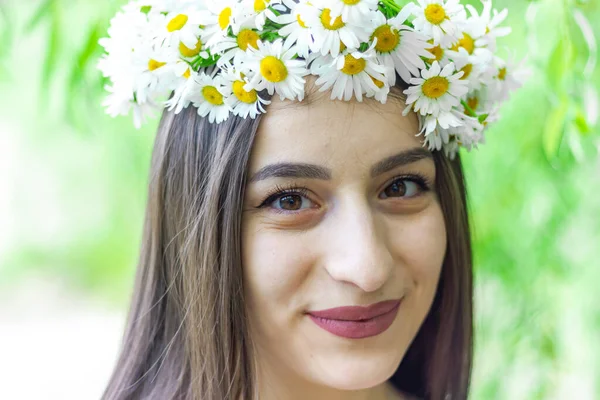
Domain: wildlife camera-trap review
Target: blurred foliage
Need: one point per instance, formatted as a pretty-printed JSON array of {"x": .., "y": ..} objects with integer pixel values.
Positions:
[{"x": 76, "y": 186}]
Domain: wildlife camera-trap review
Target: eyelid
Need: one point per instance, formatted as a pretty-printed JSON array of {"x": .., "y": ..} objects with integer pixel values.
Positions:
[
  {"x": 280, "y": 191},
  {"x": 423, "y": 181}
]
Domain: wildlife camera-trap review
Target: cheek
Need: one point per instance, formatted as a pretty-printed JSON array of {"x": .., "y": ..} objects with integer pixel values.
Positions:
[
  {"x": 420, "y": 243},
  {"x": 275, "y": 265}
]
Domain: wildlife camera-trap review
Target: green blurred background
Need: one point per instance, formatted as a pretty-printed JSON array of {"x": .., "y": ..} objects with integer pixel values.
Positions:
[{"x": 73, "y": 187}]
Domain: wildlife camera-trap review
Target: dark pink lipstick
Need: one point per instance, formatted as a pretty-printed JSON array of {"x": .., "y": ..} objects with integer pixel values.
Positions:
[{"x": 356, "y": 322}]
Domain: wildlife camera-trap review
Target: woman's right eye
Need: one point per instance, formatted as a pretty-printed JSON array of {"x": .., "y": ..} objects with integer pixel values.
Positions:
[{"x": 291, "y": 202}]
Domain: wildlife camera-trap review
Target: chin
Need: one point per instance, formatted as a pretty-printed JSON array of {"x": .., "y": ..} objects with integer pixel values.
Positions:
[{"x": 358, "y": 373}]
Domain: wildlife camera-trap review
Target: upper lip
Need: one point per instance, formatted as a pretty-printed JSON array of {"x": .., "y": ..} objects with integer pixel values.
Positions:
[{"x": 357, "y": 313}]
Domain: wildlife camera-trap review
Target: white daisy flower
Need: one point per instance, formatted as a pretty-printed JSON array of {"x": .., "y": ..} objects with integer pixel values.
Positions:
[
  {"x": 156, "y": 71},
  {"x": 232, "y": 49},
  {"x": 476, "y": 71},
  {"x": 381, "y": 94},
  {"x": 510, "y": 77},
  {"x": 490, "y": 24},
  {"x": 479, "y": 102},
  {"x": 296, "y": 32},
  {"x": 350, "y": 72},
  {"x": 181, "y": 27},
  {"x": 471, "y": 39},
  {"x": 258, "y": 11},
  {"x": 440, "y": 130},
  {"x": 331, "y": 34},
  {"x": 192, "y": 52},
  {"x": 357, "y": 12},
  {"x": 274, "y": 68},
  {"x": 181, "y": 95},
  {"x": 220, "y": 16},
  {"x": 207, "y": 93},
  {"x": 440, "y": 54},
  {"x": 451, "y": 149},
  {"x": 444, "y": 120},
  {"x": 243, "y": 103},
  {"x": 398, "y": 47},
  {"x": 441, "y": 20},
  {"x": 121, "y": 102},
  {"x": 436, "y": 91}
]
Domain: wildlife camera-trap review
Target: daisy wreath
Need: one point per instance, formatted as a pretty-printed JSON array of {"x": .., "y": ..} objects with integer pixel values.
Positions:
[{"x": 221, "y": 55}]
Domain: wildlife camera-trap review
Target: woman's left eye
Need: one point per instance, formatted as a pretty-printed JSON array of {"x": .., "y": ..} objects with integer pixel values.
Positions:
[{"x": 406, "y": 188}]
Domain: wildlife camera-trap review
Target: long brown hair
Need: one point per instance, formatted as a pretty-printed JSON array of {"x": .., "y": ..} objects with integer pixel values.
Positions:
[{"x": 186, "y": 335}]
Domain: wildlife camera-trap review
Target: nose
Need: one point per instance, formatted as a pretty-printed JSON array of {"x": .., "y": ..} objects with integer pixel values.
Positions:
[{"x": 358, "y": 251}]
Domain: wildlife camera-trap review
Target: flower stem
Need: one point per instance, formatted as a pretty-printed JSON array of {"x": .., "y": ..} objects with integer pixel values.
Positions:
[{"x": 470, "y": 111}]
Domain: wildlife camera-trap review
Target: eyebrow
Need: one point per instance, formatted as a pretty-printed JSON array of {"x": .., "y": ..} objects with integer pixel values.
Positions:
[{"x": 312, "y": 171}]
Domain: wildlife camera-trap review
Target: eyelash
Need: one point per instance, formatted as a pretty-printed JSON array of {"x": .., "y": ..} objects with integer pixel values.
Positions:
[{"x": 290, "y": 189}]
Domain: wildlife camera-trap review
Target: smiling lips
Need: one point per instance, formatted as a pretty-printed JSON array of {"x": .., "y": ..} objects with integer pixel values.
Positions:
[{"x": 356, "y": 322}]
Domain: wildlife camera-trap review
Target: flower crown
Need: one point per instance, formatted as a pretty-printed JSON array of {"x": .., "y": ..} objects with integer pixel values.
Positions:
[{"x": 221, "y": 55}]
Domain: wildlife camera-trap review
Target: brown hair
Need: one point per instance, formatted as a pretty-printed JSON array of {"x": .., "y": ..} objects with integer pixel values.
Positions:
[{"x": 186, "y": 335}]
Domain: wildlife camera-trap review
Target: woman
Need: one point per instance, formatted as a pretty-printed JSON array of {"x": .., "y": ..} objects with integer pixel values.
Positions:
[{"x": 317, "y": 251}]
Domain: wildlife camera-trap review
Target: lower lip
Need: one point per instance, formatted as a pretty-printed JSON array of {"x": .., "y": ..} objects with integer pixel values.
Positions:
[{"x": 357, "y": 329}]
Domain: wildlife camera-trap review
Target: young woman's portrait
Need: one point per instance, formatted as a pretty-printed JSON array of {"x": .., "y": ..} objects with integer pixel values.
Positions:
[
  {"x": 299, "y": 200},
  {"x": 306, "y": 234}
]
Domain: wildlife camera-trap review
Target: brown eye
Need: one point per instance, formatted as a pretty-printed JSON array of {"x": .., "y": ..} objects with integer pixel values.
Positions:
[
  {"x": 396, "y": 189},
  {"x": 403, "y": 188},
  {"x": 290, "y": 202}
]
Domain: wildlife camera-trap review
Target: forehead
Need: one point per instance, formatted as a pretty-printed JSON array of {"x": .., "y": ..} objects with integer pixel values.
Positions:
[{"x": 333, "y": 133}]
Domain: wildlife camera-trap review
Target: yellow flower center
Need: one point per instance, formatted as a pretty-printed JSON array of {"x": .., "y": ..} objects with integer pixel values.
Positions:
[
  {"x": 153, "y": 64},
  {"x": 187, "y": 52},
  {"x": 435, "y": 87},
  {"x": 351, "y": 2},
  {"x": 260, "y": 5},
  {"x": 177, "y": 23},
  {"x": 353, "y": 66},
  {"x": 467, "y": 42},
  {"x": 387, "y": 38},
  {"x": 467, "y": 69},
  {"x": 326, "y": 21},
  {"x": 300, "y": 22},
  {"x": 273, "y": 69},
  {"x": 377, "y": 82},
  {"x": 247, "y": 37},
  {"x": 502, "y": 74},
  {"x": 187, "y": 73},
  {"x": 472, "y": 102},
  {"x": 435, "y": 14},
  {"x": 212, "y": 95},
  {"x": 224, "y": 18},
  {"x": 438, "y": 53},
  {"x": 242, "y": 95}
]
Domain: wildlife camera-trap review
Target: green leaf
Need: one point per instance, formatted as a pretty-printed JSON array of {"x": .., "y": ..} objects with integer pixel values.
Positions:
[
  {"x": 54, "y": 43},
  {"x": 560, "y": 62},
  {"x": 581, "y": 122},
  {"x": 91, "y": 45},
  {"x": 6, "y": 32},
  {"x": 43, "y": 11},
  {"x": 554, "y": 129}
]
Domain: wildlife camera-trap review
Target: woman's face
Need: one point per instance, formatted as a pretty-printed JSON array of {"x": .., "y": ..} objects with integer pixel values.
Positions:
[{"x": 356, "y": 226}]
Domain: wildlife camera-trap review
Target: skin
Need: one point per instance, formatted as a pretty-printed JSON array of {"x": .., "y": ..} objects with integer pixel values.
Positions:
[{"x": 351, "y": 240}]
